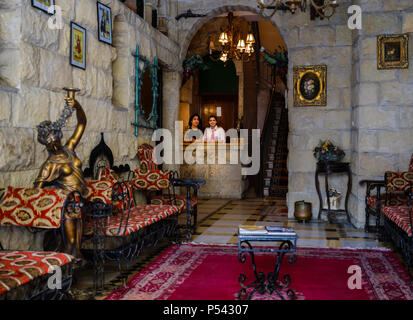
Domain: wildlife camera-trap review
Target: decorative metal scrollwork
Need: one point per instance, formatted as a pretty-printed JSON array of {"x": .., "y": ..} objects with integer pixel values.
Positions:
[{"x": 140, "y": 119}]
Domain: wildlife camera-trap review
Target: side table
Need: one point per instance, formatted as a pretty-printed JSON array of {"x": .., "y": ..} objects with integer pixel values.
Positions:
[
  {"x": 327, "y": 168},
  {"x": 98, "y": 212},
  {"x": 269, "y": 283}
]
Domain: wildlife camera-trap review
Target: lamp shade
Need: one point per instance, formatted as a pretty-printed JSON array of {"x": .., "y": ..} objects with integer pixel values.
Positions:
[
  {"x": 223, "y": 38},
  {"x": 241, "y": 45},
  {"x": 250, "y": 38}
]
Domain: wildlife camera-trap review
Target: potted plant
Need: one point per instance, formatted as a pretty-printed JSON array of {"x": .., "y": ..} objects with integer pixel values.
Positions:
[{"x": 327, "y": 151}]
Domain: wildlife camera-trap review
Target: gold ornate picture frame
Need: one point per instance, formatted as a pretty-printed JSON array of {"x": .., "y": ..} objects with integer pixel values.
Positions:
[
  {"x": 310, "y": 86},
  {"x": 393, "y": 51}
]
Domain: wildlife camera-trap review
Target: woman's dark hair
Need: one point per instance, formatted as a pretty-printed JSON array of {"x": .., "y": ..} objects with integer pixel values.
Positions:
[{"x": 192, "y": 117}]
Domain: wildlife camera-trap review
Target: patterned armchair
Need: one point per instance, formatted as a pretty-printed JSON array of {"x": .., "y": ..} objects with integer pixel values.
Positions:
[
  {"x": 375, "y": 199},
  {"x": 150, "y": 175}
]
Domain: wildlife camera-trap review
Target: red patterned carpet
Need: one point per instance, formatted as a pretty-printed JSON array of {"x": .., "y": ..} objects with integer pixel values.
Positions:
[{"x": 206, "y": 272}]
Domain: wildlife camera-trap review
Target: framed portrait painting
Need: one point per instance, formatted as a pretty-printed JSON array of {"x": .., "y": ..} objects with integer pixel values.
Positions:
[
  {"x": 45, "y": 5},
  {"x": 310, "y": 86},
  {"x": 104, "y": 23},
  {"x": 77, "y": 46},
  {"x": 393, "y": 51}
]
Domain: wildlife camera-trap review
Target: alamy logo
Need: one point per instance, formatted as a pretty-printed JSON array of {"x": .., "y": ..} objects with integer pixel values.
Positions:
[
  {"x": 55, "y": 280},
  {"x": 354, "y": 282},
  {"x": 355, "y": 21},
  {"x": 56, "y": 21}
]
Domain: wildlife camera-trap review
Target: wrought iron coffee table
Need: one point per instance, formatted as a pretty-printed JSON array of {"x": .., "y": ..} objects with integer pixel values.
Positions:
[{"x": 269, "y": 283}]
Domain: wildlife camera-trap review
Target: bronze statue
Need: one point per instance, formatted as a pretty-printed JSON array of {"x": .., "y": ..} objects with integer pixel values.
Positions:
[{"x": 63, "y": 169}]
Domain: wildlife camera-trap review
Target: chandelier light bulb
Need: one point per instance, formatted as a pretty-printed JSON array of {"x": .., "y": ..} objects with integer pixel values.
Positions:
[
  {"x": 250, "y": 38},
  {"x": 241, "y": 45},
  {"x": 224, "y": 57},
  {"x": 223, "y": 38}
]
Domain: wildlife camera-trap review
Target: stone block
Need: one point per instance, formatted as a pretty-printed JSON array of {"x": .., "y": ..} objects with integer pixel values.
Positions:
[
  {"x": 5, "y": 106},
  {"x": 104, "y": 85},
  {"x": 398, "y": 5},
  {"x": 368, "y": 94},
  {"x": 378, "y": 118},
  {"x": 338, "y": 119},
  {"x": 391, "y": 93},
  {"x": 55, "y": 71},
  {"x": 375, "y": 164},
  {"x": 367, "y": 141},
  {"x": 370, "y": 73},
  {"x": 369, "y": 47},
  {"x": 323, "y": 35},
  {"x": 17, "y": 147},
  {"x": 381, "y": 23},
  {"x": 35, "y": 30},
  {"x": 30, "y": 107},
  {"x": 10, "y": 25},
  {"x": 397, "y": 141},
  {"x": 343, "y": 35},
  {"x": 9, "y": 60},
  {"x": 29, "y": 67},
  {"x": 118, "y": 119},
  {"x": 339, "y": 77},
  {"x": 307, "y": 118},
  {"x": 86, "y": 14},
  {"x": 406, "y": 116}
]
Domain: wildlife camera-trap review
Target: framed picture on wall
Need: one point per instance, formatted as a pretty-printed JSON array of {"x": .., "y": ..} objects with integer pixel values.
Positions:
[
  {"x": 77, "y": 46},
  {"x": 393, "y": 51},
  {"x": 310, "y": 86},
  {"x": 45, "y": 5},
  {"x": 104, "y": 23}
]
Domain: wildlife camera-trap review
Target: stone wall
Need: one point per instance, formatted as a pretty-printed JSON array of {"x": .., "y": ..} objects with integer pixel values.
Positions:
[
  {"x": 382, "y": 128},
  {"x": 34, "y": 67}
]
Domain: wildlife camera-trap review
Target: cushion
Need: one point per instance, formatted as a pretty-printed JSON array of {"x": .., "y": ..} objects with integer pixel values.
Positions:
[
  {"x": 394, "y": 200},
  {"x": 398, "y": 181},
  {"x": 180, "y": 200},
  {"x": 20, "y": 267},
  {"x": 400, "y": 216},
  {"x": 411, "y": 163},
  {"x": 139, "y": 217},
  {"x": 145, "y": 155},
  {"x": 153, "y": 180},
  {"x": 100, "y": 190},
  {"x": 108, "y": 174},
  {"x": 32, "y": 207}
]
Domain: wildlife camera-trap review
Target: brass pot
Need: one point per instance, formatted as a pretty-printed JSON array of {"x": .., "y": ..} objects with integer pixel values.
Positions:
[{"x": 302, "y": 210}]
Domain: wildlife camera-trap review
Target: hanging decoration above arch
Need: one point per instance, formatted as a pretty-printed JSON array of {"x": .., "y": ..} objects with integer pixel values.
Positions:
[{"x": 141, "y": 121}]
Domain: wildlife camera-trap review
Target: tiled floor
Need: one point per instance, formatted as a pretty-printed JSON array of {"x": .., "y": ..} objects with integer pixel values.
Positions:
[{"x": 218, "y": 221}]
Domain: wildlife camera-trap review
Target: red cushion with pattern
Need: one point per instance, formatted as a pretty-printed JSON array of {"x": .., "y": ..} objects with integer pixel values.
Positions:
[
  {"x": 180, "y": 200},
  {"x": 154, "y": 180},
  {"x": 398, "y": 181},
  {"x": 32, "y": 207},
  {"x": 20, "y": 267},
  {"x": 139, "y": 217},
  {"x": 145, "y": 155},
  {"x": 108, "y": 174},
  {"x": 100, "y": 190},
  {"x": 394, "y": 200},
  {"x": 411, "y": 163},
  {"x": 400, "y": 216}
]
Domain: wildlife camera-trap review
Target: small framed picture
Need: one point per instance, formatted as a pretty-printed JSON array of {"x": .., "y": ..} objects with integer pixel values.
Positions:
[
  {"x": 77, "y": 46},
  {"x": 393, "y": 51},
  {"x": 104, "y": 23},
  {"x": 310, "y": 86},
  {"x": 45, "y": 5}
]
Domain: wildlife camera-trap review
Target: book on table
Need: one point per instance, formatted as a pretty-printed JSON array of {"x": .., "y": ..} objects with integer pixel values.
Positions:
[{"x": 265, "y": 230}]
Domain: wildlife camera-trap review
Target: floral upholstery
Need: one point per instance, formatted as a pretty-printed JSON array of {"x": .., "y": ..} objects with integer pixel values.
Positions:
[
  {"x": 32, "y": 207},
  {"x": 411, "y": 164},
  {"x": 145, "y": 155},
  {"x": 394, "y": 200},
  {"x": 153, "y": 180},
  {"x": 100, "y": 190},
  {"x": 398, "y": 181},
  {"x": 20, "y": 267},
  {"x": 180, "y": 200},
  {"x": 400, "y": 216},
  {"x": 108, "y": 174},
  {"x": 140, "y": 216}
]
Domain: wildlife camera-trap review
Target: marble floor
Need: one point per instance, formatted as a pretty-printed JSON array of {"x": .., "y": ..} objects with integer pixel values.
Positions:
[{"x": 218, "y": 221}]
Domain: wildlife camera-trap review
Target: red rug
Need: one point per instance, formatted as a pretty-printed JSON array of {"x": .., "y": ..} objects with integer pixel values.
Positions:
[{"x": 206, "y": 272}]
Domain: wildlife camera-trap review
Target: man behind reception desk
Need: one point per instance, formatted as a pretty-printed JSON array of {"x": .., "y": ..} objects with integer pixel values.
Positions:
[{"x": 214, "y": 132}]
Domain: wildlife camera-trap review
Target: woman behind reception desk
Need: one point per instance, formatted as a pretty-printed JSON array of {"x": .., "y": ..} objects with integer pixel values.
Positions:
[
  {"x": 195, "y": 129},
  {"x": 214, "y": 132}
]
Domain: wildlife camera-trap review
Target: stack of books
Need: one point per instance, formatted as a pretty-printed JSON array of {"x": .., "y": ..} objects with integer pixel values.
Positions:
[{"x": 265, "y": 230}]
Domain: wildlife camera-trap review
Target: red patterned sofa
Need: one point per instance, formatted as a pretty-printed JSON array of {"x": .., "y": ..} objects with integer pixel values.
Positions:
[
  {"x": 131, "y": 226},
  {"x": 375, "y": 200},
  {"x": 188, "y": 201},
  {"x": 24, "y": 274}
]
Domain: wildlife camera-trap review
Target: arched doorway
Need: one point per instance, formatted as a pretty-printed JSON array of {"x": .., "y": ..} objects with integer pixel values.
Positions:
[{"x": 241, "y": 101}]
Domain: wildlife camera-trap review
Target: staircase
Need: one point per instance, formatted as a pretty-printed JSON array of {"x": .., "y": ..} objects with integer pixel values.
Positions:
[{"x": 275, "y": 172}]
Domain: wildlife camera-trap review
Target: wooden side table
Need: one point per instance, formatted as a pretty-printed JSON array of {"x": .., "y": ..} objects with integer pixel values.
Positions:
[{"x": 327, "y": 168}]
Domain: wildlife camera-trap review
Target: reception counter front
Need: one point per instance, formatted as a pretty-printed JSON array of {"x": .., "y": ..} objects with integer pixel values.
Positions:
[{"x": 219, "y": 165}]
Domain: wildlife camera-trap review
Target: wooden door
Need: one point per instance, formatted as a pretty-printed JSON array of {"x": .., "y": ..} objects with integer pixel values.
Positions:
[{"x": 229, "y": 109}]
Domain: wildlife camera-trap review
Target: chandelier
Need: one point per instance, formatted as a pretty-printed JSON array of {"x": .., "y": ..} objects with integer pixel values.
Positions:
[
  {"x": 324, "y": 8},
  {"x": 234, "y": 47}
]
